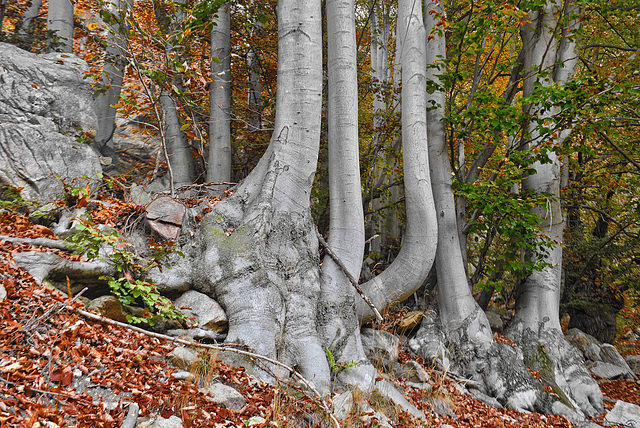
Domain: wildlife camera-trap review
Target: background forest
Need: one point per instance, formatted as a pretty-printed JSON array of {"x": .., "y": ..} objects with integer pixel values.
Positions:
[
  {"x": 201, "y": 78},
  {"x": 483, "y": 123}
]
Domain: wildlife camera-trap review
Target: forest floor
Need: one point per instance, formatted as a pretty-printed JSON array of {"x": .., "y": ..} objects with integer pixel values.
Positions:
[{"x": 46, "y": 346}]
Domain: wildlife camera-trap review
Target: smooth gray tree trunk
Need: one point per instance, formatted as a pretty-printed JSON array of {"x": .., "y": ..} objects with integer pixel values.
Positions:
[
  {"x": 254, "y": 94},
  {"x": 536, "y": 324},
  {"x": 60, "y": 20},
  {"x": 339, "y": 325},
  {"x": 180, "y": 159},
  {"x": 29, "y": 16},
  {"x": 259, "y": 251},
  {"x": 410, "y": 268},
  {"x": 112, "y": 77},
  {"x": 219, "y": 162}
]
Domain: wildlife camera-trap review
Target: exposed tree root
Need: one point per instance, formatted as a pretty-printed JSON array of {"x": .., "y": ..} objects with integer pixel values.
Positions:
[{"x": 561, "y": 367}]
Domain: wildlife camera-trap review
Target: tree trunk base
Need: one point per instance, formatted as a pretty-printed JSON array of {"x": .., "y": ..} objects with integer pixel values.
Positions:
[
  {"x": 495, "y": 369},
  {"x": 561, "y": 367}
]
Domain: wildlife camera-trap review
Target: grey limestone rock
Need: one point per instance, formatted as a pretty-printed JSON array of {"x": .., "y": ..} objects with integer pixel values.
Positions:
[
  {"x": 225, "y": 396},
  {"x": 624, "y": 413},
  {"x": 207, "y": 312},
  {"x": 45, "y": 106},
  {"x": 608, "y": 370},
  {"x": 579, "y": 339},
  {"x": 184, "y": 358},
  {"x": 634, "y": 363}
]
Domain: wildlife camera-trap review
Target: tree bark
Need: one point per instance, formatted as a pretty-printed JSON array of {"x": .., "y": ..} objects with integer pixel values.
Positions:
[
  {"x": 30, "y": 14},
  {"x": 254, "y": 93},
  {"x": 259, "y": 249},
  {"x": 180, "y": 159},
  {"x": 219, "y": 165},
  {"x": 536, "y": 324},
  {"x": 60, "y": 20},
  {"x": 112, "y": 77},
  {"x": 411, "y": 267}
]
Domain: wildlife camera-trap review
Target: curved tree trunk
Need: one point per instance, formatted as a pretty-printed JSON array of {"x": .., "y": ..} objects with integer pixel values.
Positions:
[
  {"x": 29, "y": 16},
  {"x": 180, "y": 159},
  {"x": 219, "y": 164},
  {"x": 456, "y": 334},
  {"x": 536, "y": 324},
  {"x": 410, "y": 268},
  {"x": 260, "y": 255}
]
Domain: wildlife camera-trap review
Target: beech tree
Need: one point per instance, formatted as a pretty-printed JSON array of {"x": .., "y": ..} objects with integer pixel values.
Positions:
[
  {"x": 60, "y": 21},
  {"x": 219, "y": 165},
  {"x": 536, "y": 324},
  {"x": 112, "y": 75}
]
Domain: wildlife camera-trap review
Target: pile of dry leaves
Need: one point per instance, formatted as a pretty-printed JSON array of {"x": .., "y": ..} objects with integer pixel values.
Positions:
[{"x": 59, "y": 367}]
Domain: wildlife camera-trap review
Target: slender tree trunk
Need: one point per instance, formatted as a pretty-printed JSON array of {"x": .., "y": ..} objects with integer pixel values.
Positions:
[
  {"x": 179, "y": 154},
  {"x": 411, "y": 267},
  {"x": 536, "y": 322},
  {"x": 456, "y": 334},
  {"x": 112, "y": 76},
  {"x": 339, "y": 324},
  {"x": 219, "y": 165},
  {"x": 60, "y": 20},
  {"x": 254, "y": 94},
  {"x": 29, "y": 16},
  {"x": 455, "y": 301}
]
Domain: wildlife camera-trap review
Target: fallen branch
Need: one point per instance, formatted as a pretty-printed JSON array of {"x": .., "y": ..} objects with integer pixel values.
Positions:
[
  {"x": 351, "y": 279},
  {"x": 221, "y": 348},
  {"x": 38, "y": 242}
]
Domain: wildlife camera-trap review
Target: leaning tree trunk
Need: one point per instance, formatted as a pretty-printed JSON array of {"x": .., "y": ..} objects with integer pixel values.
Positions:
[
  {"x": 338, "y": 320},
  {"x": 29, "y": 16},
  {"x": 180, "y": 160},
  {"x": 536, "y": 324},
  {"x": 456, "y": 334},
  {"x": 219, "y": 162},
  {"x": 259, "y": 251},
  {"x": 112, "y": 76},
  {"x": 60, "y": 21},
  {"x": 411, "y": 267}
]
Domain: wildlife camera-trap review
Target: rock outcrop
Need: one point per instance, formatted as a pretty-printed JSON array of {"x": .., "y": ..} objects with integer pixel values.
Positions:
[{"x": 45, "y": 109}]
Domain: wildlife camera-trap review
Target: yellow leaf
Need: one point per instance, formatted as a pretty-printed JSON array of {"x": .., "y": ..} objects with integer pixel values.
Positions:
[
  {"x": 92, "y": 26},
  {"x": 118, "y": 105},
  {"x": 184, "y": 127}
]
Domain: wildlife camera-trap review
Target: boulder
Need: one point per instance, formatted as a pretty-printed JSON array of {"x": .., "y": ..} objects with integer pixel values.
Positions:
[
  {"x": 108, "y": 306},
  {"x": 608, "y": 371},
  {"x": 184, "y": 358},
  {"x": 45, "y": 107},
  {"x": 579, "y": 339},
  {"x": 381, "y": 347},
  {"x": 592, "y": 352},
  {"x": 495, "y": 320},
  {"x": 160, "y": 422},
  {"x": 609, "y": 354},
  {"x": 207, "y": 312},
  {"x": 413, "y": 372},
  {"x": 624, "y": 413},
  {"x": 634, "y": 363},
  {"x": 165, "y": 216},
  {"x": 225, "y": 396}
]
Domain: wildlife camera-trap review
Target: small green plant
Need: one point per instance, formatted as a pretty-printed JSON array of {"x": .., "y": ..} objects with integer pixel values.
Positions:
[
  {"x": 10, "y": 199},
  {"x": 130, "y": 286},
  {"x": 335, "y": 367}
]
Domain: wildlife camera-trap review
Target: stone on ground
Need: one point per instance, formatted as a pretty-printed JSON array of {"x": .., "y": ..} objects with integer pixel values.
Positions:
[
  {"x": 624, "y": 413},
  {"x": 206, "y": 311},
  {"x": 225, "y": 396}
]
